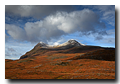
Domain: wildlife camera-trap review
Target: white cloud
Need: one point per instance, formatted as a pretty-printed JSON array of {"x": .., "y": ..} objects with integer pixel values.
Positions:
[
  {"x": 57, "y": 41},
  {"x": 56, "y": 25},
  {"x": 14, "y": 49},
  {"x": 108, "y": 12},
  {"x": 109, "y": 16},
  {"x": 64, "y": 23},
  {"x": 15, "y": 32},
  {"x": 111, "y": 32}
]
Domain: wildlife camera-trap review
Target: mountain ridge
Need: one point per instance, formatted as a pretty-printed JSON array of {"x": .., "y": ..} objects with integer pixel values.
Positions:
[
  {"x": 71, "y": 46},
  {"x": 70, "y": 42}
]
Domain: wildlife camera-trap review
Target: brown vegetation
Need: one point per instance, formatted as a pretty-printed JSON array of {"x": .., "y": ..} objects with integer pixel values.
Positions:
[{"x": 63, "y": 64}]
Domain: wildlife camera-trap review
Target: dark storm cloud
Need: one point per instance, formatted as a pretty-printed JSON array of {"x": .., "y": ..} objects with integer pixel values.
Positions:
[{"x": 38, "y": 11}]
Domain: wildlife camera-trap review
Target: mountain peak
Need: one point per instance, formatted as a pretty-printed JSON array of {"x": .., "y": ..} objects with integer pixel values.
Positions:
[
  {"x": 41, "y": 44},
  {"x": 69, "y": 44},
  {"x": 72, "y": 41}
]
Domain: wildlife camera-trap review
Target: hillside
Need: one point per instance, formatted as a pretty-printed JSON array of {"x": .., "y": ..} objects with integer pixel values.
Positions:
[
  {"x": 73, "y": 62},
  {"x": 71, "y": 46}
]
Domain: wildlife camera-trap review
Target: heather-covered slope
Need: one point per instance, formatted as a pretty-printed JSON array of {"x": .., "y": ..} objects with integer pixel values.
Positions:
[
  {"x": 37, "y": 50},
  {"x": 101, "y": 54},
  {"x": 71, "y": 46},
  {"x": 95, "y": 64},
  {"x": 71, "y": 60}
]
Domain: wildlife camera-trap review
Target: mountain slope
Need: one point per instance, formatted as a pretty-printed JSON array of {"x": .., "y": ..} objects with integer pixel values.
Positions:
[
  {"x": 69, "y": 60},
  {"x": 71, "y": 46},
  {"x": 93, "y": 64}
]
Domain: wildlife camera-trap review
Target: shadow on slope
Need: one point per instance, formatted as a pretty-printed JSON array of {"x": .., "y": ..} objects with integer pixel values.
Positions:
[
  {"x": 102, "y": 54},
  {"x": 81, "y": 49}
]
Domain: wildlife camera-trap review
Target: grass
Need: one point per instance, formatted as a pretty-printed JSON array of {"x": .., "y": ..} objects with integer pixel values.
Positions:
[
  {"x": 26, "y": 60},
  {"x": 56, "y": 57},
  {"x": 81, "y": 65},
  {"x": 59, "y": 77},
  {"x": 63, "y": 63},
  {"x": 59, "y": 66}
]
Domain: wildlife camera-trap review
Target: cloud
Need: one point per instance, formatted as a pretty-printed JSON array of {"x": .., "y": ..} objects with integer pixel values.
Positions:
[
  {"x": 37, "y": 11},
  {"x": 108, "y": 40},
  {"x": 58, "y": 24},
  {"x": 98, "y": 37},
  {"x": 58, "y": 41},
  {"x": 15, "y": 49},
  {"x": 15, "y": 32},
  {"x": 6, "y": 37},
  {"x": 108, "y": 13},
  {"x": 10, "y": 52},
  {"x": 111, "y": 32},
  {"x": 104, "y": 8},
  {"x": 11, "y": 49}
]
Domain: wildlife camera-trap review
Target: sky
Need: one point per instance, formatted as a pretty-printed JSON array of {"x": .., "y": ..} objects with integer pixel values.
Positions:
[{"x": 27, "y": 25}]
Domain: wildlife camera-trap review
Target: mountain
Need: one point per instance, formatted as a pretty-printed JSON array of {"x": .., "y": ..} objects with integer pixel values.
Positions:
[
  {"x": 42, "y": 48},
  {"x": 70, "y": 60},
  {"x": 68, "y": 44},
  {"x": 71, "y": 46},
  {"x": 42, "y": 45}
]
